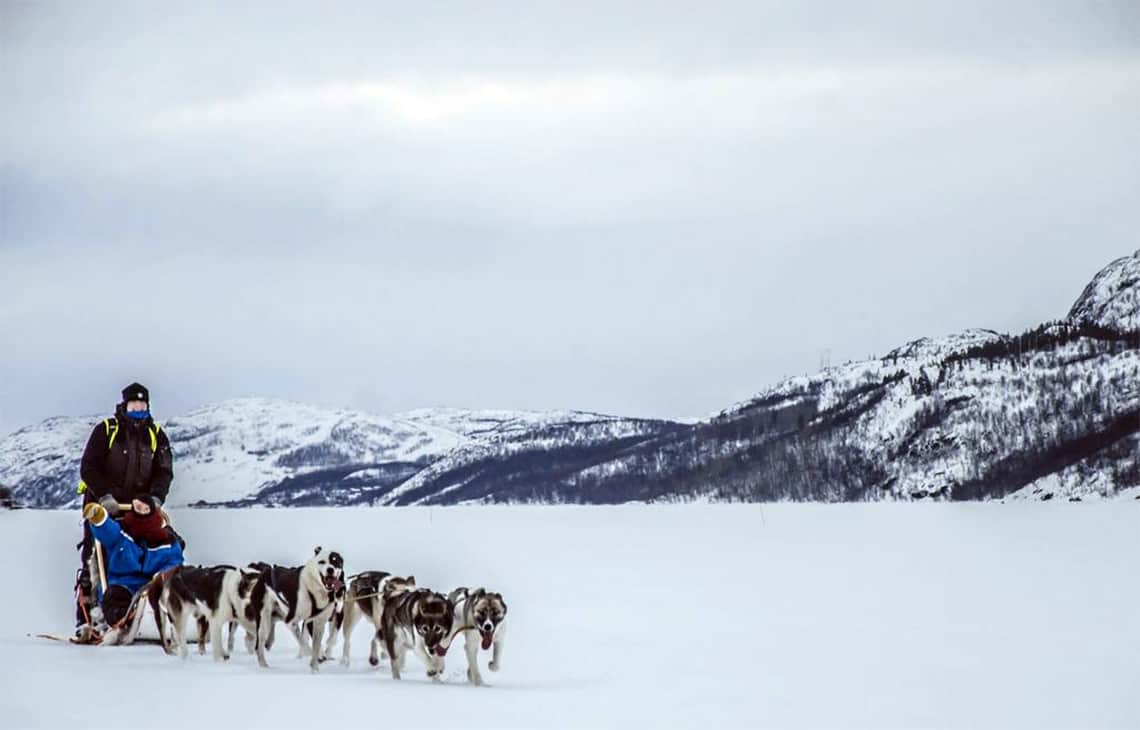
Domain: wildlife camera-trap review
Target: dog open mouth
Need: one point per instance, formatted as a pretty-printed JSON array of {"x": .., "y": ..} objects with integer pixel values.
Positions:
[
  {"x": 488, "y": 637},
  {"x": 333, "y": 584},
  {"x": 439, "y": 650}
]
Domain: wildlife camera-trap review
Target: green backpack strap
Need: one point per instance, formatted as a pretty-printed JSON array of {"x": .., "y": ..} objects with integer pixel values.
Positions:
[{"x": 111, "y": 426}]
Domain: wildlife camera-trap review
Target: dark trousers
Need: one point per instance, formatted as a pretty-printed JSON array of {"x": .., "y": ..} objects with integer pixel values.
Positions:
[{"x": 84, "y": 593}]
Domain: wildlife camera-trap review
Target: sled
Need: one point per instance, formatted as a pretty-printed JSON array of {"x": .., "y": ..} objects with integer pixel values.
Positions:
[{"x": 64, "y": 639}]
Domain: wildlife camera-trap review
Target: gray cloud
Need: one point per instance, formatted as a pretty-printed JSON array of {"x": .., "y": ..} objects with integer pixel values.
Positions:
[{"x": 654, "y": 210}]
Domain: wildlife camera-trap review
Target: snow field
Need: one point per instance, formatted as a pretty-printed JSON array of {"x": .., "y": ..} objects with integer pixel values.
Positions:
[{"x": 878, "y": 615}]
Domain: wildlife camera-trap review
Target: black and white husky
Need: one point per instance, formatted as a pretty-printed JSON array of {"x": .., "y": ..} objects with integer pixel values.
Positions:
[
  {"x": 480, "y": 615},
  {"x": 216, "y": 597},
  {"x": 421, "y": 620},
  {"x": 180, "y": 594},
  {"x": 365, "y": 598},
  {"x": 309, "y": 597}
]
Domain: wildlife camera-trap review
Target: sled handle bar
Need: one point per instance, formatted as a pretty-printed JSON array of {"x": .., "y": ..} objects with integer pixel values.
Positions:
[{"x": 126, "y": 507}]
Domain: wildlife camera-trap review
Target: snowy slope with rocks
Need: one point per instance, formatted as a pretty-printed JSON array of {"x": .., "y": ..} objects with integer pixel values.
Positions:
[
  {"x": 1112, "y": 298},
  {"x": 973, "y": 415},
  {"x": 1051, "y": 413},
  {"x": 492, "y": 424}
]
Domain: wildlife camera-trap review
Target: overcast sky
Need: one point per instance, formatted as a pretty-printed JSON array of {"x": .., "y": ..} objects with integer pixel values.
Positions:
[{"x": 632, "y": 207}]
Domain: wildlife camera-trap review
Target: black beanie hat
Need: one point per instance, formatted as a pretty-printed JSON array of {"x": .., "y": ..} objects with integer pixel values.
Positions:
[
  {"x": 148, "y": 500},
  {"x": 136, "y": 391}
]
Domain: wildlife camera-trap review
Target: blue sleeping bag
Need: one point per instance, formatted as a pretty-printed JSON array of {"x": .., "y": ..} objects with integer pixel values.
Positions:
[{"x": 129, "y": 564}]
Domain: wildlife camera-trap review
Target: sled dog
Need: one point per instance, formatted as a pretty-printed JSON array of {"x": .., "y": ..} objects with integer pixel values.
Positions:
[
  {"x": 365, "y": 599},
  {"x": 421, "y": 620},
  {"x": 308, "y": 595},
  {"x": 480, "y": 615},
  {"x": 216, "y": 596},
  {"x": 181, "y": 593}
]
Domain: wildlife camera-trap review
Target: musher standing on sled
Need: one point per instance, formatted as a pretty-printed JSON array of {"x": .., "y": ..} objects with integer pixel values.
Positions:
[{"x": 127, "y": 456}]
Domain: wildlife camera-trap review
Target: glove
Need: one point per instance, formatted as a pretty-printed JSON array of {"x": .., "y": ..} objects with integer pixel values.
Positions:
[
  {"x": 95, "y": 513},
  {"x": 110, "y": 504}
]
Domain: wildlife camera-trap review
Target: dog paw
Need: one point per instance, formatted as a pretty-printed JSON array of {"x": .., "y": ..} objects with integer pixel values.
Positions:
[
  {"x": 493, "y": 666},
  {"x": 345, "y": 662}
]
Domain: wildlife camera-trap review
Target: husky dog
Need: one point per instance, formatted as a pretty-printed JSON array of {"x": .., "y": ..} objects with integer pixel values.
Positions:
[
  {"x": 480, "y": 616},
  {"x": 334, "y": 623},
  {"x": 422, "y": 620},
  {"x": 365, "y": 599},
  {"x": 216, "y": 597},
  {"x": 180, "y": 593},
  {"x": 249, "y": 603},
  {"x": 308, "y": 595}
]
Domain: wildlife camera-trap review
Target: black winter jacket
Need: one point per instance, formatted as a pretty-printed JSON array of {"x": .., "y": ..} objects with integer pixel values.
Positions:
[{"x": 126, "y": 466}]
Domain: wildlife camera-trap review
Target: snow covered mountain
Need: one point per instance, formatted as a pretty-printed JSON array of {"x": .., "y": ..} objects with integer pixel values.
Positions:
[
  {"x": 1051, "y": 413},
  {"x": 1112, "y": 298},
  {"x": 236, "y": 449},
  {"x": 252, "y": 451}
]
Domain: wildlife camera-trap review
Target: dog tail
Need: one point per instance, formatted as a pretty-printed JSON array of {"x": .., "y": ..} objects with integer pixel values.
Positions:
[
  {"x": 279, "y": 604},
  {"x": 154, "y": 597}
]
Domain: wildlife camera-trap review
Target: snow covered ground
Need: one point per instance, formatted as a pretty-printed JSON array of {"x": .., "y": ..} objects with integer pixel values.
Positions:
[{"x": 878, "y": 615}]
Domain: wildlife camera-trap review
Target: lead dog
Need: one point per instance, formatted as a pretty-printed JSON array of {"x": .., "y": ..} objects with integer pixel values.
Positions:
[
  {"x": 480, "y": 616},
  {"x": 366, "y": 595},
  {"x": 421, "y": 620},
  {"x": 308, "y": 595}
]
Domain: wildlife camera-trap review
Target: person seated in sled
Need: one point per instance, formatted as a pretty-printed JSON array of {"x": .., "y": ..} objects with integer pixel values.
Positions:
[
  {"x": 135, "y": 548},
  {"x": 127, "y": 456}
]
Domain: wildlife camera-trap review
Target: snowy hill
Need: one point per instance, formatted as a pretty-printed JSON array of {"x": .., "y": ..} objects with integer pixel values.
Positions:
[
  {"x": 233, "y": 450},
  {"x": 260, "y": 451},
  {"x": 1112, "y": 298},
  {"x": 1051, "y": 413}
]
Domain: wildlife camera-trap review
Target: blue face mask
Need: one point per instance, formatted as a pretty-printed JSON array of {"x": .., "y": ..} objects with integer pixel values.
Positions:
[{"x": 139, "y": 415}]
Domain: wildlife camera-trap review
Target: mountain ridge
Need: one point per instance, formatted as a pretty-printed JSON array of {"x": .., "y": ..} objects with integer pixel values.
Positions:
[{"x": 1053, "y": 412}]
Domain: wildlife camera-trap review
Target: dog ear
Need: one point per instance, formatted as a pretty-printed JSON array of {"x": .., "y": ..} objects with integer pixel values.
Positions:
[
  {"x": 411, "y": 580},
  {"x": 317, "y": 550}
]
